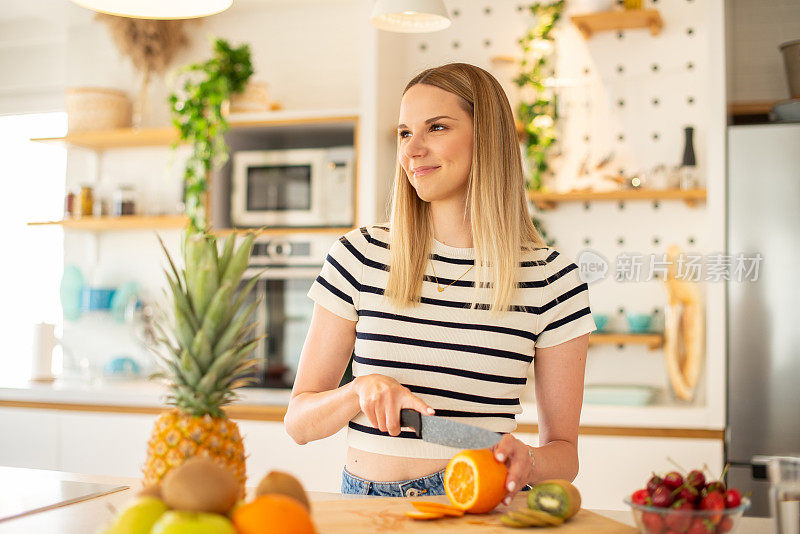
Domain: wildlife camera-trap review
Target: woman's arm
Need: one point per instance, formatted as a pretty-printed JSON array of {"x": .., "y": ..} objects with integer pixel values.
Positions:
[
  {"x": 319, "y": 408},
  {"x": 559, "y": 373}
]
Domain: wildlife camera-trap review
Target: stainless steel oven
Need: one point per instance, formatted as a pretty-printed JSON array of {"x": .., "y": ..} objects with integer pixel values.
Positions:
[{"x": 286, "y": 267}]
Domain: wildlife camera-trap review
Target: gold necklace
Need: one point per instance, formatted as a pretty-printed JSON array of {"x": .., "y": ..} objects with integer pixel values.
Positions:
[{"x": 439, "y": 288}]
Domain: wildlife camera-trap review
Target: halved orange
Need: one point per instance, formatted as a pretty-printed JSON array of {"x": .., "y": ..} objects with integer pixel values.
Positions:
[
  {"x": 415, "y": 514},
  {"x": 475, "y": 481},
  {"x": 439, "y": 508}
]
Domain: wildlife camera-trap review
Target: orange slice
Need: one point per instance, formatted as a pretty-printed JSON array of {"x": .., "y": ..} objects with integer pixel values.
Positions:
[
  {"x": 415, "y": 514},
  {"x": 438, "y": 508},
  {"x": 475, "y": 481}
]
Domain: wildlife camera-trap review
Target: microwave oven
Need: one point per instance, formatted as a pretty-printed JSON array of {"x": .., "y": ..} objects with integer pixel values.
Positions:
[{"x": 294, "y": 187}]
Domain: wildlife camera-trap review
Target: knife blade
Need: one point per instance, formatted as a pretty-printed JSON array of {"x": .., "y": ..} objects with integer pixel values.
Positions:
[{"x": 443, "y": 431}]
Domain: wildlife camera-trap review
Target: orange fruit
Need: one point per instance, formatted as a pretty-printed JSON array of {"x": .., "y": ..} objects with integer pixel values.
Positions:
[
  {"x": 438, "y": 508},
  {"x": 475, "y": 481},
  {"x": 274, "y": 514},
  {"x": 414, "y": 514}
]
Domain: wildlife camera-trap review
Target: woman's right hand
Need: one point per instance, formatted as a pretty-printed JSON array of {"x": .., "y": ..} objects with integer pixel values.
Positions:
[{"x": 381, "y": 398}]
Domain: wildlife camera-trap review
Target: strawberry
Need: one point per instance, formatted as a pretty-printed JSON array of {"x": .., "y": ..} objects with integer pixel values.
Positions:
[
  {"x": 641, "y": 496},
  {"x": 713, "y": 501},
  {"x": 653, "y": 523},
  {"x": 678, "y": 520},
  {"x": 733, "y": 498},
  {"x": 725, "y": 525},
  {"x": 701, "y": 526}
]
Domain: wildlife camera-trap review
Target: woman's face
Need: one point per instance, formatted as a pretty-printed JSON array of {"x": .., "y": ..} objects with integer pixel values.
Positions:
[{"x": 435, "y": 143}]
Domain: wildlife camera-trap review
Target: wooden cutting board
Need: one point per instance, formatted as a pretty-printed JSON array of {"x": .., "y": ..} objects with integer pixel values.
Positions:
[{"x": 386, "y": 515}]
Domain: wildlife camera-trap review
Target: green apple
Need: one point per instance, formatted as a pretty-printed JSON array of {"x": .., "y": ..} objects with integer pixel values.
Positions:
[
  {"x": 175, "y": 522},
  {"x": 138, "y": 517}
]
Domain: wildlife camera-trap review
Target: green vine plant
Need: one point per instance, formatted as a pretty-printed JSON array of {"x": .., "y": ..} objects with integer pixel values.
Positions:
[
  {"x": 537, "y": 110},
  {"x": 196, "y": 110}
]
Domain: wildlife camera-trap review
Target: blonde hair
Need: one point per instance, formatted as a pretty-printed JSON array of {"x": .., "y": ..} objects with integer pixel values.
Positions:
[{"x": 496, "y": 198}]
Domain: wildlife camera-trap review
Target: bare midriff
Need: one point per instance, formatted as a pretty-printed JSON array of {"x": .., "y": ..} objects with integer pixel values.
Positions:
[{"x": 384, "y": 468}]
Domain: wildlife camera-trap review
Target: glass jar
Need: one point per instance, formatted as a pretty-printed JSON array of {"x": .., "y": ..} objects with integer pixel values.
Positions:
[
  {"x": 124, "y": 201},
  {"x": 85, "y": 202}
]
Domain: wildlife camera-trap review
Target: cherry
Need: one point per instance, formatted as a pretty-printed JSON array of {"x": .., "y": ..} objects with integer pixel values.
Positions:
[
  {"x": 654, "y": 482},
  {"x": 679, "y": 520},
  {"x": 716, "y": 485},
  {"x": 662, "y": 497},
  {"x": 673, "y": 479},
  {"x": 697, "y": 479},
  {"x": 687, "y": 493}
]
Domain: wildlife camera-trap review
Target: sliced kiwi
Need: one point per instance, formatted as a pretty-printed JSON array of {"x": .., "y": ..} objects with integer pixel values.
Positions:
[
  {"x": 528, "y": 520},
  {"x": 544, "y": 517},
  {"x": 556, "y": 497},
  {"x": 509, "y": 522}
]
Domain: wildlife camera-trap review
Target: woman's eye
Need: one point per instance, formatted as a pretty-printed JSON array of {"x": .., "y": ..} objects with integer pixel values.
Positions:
[
  {"x": 403, "y": 133},
  {"x": 442, "y": 126}
]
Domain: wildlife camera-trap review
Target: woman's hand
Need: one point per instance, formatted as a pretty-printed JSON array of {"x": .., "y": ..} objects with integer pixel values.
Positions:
[
  {"x": 381, "y": 398},
  {"x": 519, "y": 462}
]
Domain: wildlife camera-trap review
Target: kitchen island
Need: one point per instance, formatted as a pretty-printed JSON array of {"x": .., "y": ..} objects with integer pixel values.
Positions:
[{"x": 86, "y": 517}]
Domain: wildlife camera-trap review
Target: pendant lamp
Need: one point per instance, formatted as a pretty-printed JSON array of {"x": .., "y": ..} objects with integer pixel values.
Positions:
[
  {"x": 410, "y": 16},
  {"x": 157, "y": 9}
]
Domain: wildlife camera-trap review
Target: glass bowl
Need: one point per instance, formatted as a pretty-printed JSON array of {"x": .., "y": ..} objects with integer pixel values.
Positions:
[{"x": 654, "y": 520}]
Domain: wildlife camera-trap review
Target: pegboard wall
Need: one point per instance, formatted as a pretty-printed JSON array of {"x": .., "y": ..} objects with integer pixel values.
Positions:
[{"x": 625, "y": 97}]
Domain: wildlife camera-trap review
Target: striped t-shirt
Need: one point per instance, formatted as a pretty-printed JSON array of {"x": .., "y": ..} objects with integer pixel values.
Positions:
[{"x": 463, "y": 362}]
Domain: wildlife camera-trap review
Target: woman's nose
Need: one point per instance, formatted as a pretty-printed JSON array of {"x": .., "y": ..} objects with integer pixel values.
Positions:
[{"x": 415, "y": 147}]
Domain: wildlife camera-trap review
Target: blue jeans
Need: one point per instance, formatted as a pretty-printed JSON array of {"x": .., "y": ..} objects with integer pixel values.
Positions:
[{"x": 432, "y": 484}]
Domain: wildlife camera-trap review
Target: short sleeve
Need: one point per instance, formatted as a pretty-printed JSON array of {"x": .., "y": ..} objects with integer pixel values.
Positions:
[
  {"x": 337, "y": 287},
  {"x": 565, "y": 311}
]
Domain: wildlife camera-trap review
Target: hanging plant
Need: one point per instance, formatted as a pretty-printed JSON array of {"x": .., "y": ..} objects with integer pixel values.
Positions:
[
  {"x": 197, "y": 113},
  {"x": 537, "y": 109}
]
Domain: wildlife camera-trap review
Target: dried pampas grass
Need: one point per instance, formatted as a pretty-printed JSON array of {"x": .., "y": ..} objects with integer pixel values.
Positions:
[{"x": 150, "y": 44}]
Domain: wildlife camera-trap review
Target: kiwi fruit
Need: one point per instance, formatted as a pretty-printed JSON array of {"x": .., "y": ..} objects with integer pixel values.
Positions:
[
  {"x": 153, "y": 490},
  {"x": 283, "y": 484},
  {"x": 200, "y": 485},
  {"x": 543, "y": 518},
  {"x": 556, "y": 497},
  {"x": 510, "y": 522}
]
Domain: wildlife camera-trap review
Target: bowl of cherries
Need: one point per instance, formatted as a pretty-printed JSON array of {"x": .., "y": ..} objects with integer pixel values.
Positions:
[{"x": 690, "y": 504}]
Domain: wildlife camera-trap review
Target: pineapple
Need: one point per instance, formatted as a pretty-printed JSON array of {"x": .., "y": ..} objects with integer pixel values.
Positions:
[{"x": 206, "y": 356}]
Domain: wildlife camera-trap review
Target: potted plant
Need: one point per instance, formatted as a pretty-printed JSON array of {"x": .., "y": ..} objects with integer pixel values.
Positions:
[{"x": 197, "y": 112}]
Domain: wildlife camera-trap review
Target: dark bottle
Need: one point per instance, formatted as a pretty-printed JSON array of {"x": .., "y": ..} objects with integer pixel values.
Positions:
[{"x": 688, "y": 171}]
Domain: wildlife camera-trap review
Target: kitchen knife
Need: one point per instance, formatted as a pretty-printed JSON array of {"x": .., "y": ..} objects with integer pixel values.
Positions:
[{"x": 446, "y": 432}]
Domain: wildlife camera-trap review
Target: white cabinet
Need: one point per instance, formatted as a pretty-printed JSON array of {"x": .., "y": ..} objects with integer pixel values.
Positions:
[
  {"x": 104, "y": 443},
  {"x": 28, "y": 438},
  {"x": 318, "y": 465},
  {"x": 612, "y": 467}
]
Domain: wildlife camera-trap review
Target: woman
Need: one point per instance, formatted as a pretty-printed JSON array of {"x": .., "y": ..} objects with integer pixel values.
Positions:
[{"x": 444, "y": 308}]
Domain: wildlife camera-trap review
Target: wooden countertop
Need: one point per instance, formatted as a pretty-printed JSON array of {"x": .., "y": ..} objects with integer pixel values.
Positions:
[{"x": 88, "y": 516}]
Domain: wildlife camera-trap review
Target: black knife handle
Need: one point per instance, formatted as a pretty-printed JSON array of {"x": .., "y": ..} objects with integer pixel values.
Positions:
[{"x": 411, "y": 419}]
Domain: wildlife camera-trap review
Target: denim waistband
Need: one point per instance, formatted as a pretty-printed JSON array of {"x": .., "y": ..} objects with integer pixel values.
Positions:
[{"x": 432, "y": 484}]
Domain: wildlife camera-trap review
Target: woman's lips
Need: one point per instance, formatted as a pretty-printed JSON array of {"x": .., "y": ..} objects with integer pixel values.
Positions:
[{"x": 422, "y": 171}]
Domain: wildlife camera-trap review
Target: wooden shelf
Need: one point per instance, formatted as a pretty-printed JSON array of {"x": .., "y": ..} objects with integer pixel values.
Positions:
[
  {"x": 546, "y": 200},
  {"x": 653, "y": 341},
  {"x": 142, "y": 137},
  {"x": 338, "y": 230},
  {"x": 758, "y": 107},
  {"x": 129, "y": 222},
  {"x": 124, "y": 138},
  {"x": 618, "y": 20}
]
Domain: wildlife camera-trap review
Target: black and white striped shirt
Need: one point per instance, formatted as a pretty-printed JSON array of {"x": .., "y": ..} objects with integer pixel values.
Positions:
[{"x": 465, "y": 363}]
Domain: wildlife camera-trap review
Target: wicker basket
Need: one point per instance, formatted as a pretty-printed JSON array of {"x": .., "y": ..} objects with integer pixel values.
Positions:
[
  {"x": 255, "y": 97},
  {"x": 91, "y": 109}
]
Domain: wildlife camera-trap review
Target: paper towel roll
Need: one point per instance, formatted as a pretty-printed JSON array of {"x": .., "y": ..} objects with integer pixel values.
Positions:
[{"x": 44, "y": 341}]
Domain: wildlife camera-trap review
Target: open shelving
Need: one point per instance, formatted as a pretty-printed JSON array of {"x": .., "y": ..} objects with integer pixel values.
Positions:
[
  {"x": 618, "y": 20},
  {"x": 127, "y": 222},
  {"x": 549, "y": 200},
  {"x": 653, "y": 341}
]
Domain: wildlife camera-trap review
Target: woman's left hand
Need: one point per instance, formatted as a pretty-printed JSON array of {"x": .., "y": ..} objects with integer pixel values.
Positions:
[{"x": 519, "y": 462}]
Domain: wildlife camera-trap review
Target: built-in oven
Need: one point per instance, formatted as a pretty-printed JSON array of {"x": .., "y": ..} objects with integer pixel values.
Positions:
[{"x": 286, "y": 267}]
